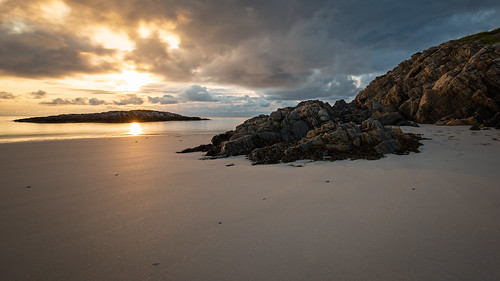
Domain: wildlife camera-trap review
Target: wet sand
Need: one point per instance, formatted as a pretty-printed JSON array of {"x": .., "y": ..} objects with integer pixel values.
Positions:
[{"x": 132, "y": 209}]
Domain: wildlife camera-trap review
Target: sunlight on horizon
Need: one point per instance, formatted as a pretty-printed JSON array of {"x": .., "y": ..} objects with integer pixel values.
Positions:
[{"x": 135, "y": 129}]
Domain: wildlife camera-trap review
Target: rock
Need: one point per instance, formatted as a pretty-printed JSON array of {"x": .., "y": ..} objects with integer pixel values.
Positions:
[
  {"x": 323, "y": 115},
  {"x": 238, "y": 146},
  {"x": 493, "y": 121},
  {"x": 313, "y": 130},
  {"x": 455, "y": 83},
  {"x": 300, "y": 129},
  {"x": 371, "y": 124},
  {"x": 388, "y": 146},
  {"x": 276, "y": 116},
  {"x": 407, "y": 123},
  {"x": 475, "y": 128},
  {"x": 391, "y": 118},
  {"x": 200, "y": 148}
]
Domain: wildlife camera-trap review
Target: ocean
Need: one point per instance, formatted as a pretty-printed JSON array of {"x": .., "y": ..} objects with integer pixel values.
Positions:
[{"x": 11, "y": 131}]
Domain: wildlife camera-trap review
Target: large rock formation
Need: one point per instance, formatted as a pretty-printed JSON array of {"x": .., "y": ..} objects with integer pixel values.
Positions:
[
  {"x": 111, "y": 117},
  {"x": 311, "y": 130},
  {"x": 455, "y": 83}
]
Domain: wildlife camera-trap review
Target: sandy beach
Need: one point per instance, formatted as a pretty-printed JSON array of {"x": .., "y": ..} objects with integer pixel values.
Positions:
[{"x": 130, "y": 208}]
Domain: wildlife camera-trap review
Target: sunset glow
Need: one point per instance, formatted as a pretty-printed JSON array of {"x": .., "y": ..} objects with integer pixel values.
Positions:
[
  {"x": 135, "y": 129},
  {"x": 229, "y": 58},
  {"x": 112, "y": 39},
  {"x": 130, "y": 80}
]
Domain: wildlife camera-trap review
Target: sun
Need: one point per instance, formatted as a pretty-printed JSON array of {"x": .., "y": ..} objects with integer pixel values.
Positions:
[
  {"x": 131, "y": 80},
  {"x": 135, "y": 129}
]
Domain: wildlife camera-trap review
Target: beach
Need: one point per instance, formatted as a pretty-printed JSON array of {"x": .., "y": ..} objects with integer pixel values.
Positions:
[{"x": 131, "y": 208}]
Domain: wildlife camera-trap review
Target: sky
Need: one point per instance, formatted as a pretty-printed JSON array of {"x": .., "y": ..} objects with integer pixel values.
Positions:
[{"x": 212, "y": 58}]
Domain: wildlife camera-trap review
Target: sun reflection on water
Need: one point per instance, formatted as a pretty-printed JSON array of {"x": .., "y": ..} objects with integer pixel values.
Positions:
[{"x": 135, "y": 129}]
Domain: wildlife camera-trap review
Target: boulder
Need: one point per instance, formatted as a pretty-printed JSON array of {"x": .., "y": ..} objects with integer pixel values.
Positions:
[
  {"x": 388, "y": 146},
  {"x": 312, "y": 130}
]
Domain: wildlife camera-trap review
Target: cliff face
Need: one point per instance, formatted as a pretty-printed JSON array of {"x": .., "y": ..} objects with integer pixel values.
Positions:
[{"x": 455, "y": 83}]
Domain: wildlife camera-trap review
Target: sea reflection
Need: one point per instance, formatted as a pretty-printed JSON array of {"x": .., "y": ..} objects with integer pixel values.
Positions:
[
  {"x": 11, "y": 131},
  {"x": 135, "y": 129}
]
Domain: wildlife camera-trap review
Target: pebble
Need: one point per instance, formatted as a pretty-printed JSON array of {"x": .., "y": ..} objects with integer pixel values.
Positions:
[{"x": 230, "y": 165}]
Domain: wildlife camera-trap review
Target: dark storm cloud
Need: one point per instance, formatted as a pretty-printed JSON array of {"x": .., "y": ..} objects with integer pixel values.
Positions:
[
  {"x": 286, "y": 50},
  {"x": 38, "y": 94},
  {"x": 279, "y": 48},
  {"x": 130, "y": 99},
  {"x": 7, "y": 96}
]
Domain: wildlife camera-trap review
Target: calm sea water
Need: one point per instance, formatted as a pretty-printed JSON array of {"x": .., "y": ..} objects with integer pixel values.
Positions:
[{"x": 11, "y": 131}]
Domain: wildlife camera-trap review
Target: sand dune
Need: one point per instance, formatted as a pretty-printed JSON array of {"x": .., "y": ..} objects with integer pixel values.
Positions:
[{"x": 132, "y": 209}]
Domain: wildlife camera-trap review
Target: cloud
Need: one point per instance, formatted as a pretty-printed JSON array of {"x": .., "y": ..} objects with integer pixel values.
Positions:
[
  {"x": 94, "y": 91},
  {"x": 94, "y": 101},
  {"x": 308, "y": 49},
  {"x": 231, "y": 106},
  {"x": 130, "y": 99},
  {"x": 42, "y": 53},
  {"x": 197, "y": 93},
  {"x": 38, "y": 94},
  {"x": 75, "y": 101},
  {"x": 7, "y": 96},
  {"x": 165, "y": 99},
  {"x": 323, "y": 87},
  {"x": 60, "y": 101}
]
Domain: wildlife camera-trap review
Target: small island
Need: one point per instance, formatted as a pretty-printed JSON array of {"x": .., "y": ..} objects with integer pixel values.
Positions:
[{"x": 140, "y": 115}]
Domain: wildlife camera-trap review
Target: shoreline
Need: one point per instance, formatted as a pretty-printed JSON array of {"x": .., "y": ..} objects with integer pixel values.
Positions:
[
  {"x": 134, "y": 209},
  {"x": 20, "y": 132}
]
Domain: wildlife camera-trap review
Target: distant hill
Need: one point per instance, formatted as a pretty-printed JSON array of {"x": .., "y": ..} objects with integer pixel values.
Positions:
[
  {"x": 112, "y": 117},
  {"x": 455, "y": 83}
]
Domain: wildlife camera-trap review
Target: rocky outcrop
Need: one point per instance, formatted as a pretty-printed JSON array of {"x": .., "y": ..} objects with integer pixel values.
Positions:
[
  {"x": 111, "y": 117},
  {"x": 311, "y": 130},
  {"x": 455, "y": 83}
]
